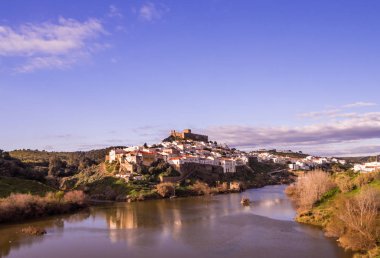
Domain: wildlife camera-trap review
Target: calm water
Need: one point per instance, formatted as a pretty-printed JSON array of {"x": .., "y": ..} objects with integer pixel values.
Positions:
[{"x": 217, "y": 226}]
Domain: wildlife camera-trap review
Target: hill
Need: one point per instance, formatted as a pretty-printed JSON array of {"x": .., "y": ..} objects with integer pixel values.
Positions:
[
  {"x": 286, "y": 154},
  {"x": 361, "y": 159},
  {"x": 10, "y": 185}
]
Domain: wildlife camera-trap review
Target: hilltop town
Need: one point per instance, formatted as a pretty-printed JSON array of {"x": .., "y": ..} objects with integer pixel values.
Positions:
[
  {"x": 178, "y": 150},
  {"x": 181, "y": 149},
  {"x": 182, "y": 159}
]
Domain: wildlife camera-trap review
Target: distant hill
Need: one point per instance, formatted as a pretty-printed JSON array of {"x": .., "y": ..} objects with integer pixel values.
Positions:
[
  {"x": 361, "y": 159},
  {"x": 42, "y": 157},
  {"x": 286, "y": 154},
  {"x": 13, "y": 167},
  {"x": 37, "y": 172},
  {"x": 36, "y": 165}
]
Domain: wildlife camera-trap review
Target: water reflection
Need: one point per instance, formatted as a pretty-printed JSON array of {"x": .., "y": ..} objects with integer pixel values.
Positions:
[
  {"x": 217, "y": 226},
  {"x": 11, "y": 237}
]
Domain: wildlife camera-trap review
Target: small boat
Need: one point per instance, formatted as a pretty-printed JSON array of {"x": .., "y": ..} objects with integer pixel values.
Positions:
[{"x": 245, "y": 201}]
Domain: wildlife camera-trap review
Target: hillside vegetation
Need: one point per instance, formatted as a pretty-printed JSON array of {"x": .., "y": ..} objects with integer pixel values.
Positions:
[
  {"x": 346, "y": 206},
  {"x": 17, "y": 207},
  {"x": 9, "y": 185},
  {"x": 362, "y": 159}
]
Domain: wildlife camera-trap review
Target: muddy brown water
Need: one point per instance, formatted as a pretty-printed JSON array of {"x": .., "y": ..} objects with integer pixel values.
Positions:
[{"x": 217, "y": 226}]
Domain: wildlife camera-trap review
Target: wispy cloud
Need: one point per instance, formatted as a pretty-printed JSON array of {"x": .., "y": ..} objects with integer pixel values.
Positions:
[
  {"x": 46, "y": 62},
  {"x": 150, "y": 11},
  {"x": 114, "y": 12},
  {"x": 364, "y": 126},
  {"x": 337, "y": 112},
  {"x": 360, "y": 104},
  {"x": 330, "y": 112},
  {"x": 50, "y": 45},
  {"x": 355, "y": 151}
]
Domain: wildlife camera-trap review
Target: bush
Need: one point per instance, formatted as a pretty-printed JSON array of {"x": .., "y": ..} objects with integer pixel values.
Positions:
[
  {"x": 344, "y": 183},
  {"x": 291, "y": 190},
  {"x": 74, "y": 197},
  {"x": 201, "y": 188},
  {"x": 363, "y": 179},
  {"x": 33, "y": 231},
  {"x": 329, "y": 194},
  {"x": 222, "y": 188},
  {"x": 165, "y": 189},
  {"x": 24, "y": 206},
  {"x": 356, "y": 220},
  {"x": 310, "y": 188}
]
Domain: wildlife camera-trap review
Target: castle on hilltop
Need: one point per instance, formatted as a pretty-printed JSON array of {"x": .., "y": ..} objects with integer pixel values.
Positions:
[{"x": 188, "y": 135}]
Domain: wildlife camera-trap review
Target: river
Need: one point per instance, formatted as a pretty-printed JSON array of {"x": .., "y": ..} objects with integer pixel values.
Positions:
[{"x": 216, "y": 226}]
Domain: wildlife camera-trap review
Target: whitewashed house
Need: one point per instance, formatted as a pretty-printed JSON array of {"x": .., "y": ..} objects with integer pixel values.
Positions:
[{"x": 229, "y": 165}]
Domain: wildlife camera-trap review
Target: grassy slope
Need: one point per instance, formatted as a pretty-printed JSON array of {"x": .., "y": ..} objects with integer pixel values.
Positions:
[
  {"x": 322, "y": 212},
  {"x": 10, "y": 185}
]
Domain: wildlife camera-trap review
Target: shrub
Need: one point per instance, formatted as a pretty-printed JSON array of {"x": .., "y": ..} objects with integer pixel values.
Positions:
[
  {"x": 356, "y": 220},
  {"x": 24, "y": 206},
  {"x": 344, "y": 183},
  {"x": 165, "y": 189},
  {"x": 329, "y": 194},
  {"x": 310, "y": 188},
  {"x": 363, "y": 179},
  {"x": 33, "y": 231},
  {"x": 223, "y": 187},
  {"x": 74, "y": 197},
  {"x": 291, "y": 190},
  {"x": 201, "y": 188}
]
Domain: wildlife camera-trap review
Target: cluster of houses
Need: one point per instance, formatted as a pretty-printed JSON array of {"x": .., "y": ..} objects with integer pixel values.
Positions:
[
  {"x": 367, "y": 167},
  {"x": 185, "y": 148},
  {"x": 306, "y": 163}
]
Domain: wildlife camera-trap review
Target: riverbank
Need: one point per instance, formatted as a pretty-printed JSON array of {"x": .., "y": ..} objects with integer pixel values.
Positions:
[
  {"x": 22, "y": 207},
  {"x": 347, "y": 208},
  {"x": 216, "y": 226},
  {"x": 19, "y": 207},
  {"x": 39, "y": 199}
]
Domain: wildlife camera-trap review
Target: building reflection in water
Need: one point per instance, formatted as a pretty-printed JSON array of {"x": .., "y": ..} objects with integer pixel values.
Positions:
[{"x": 162, "y": 220}]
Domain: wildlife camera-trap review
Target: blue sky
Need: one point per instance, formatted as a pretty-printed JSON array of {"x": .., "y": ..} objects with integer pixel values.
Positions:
[{"x": 288, "y": 74}]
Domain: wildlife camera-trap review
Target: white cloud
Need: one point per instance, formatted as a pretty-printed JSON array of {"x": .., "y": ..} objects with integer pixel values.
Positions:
[
  {"x": 360, "y": 104},
  {"x": 150, "y": 12},
  {"x": 114, "y": 12},
  {"x": 362, "y": 127},
  {"x": 330, "y": 112},
  {"x": 348, "y": 151},
  {"x": 337, "y": 112},
  {"x": 47, "y": 62},
  {"x": 50, "y": 45}
]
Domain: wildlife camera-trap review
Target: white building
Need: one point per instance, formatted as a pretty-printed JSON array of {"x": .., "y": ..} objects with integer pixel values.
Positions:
[
  {"x": 367, "y": 167},
  {"x": 342, "y": 161},
  {"x": 229, "y": 165},
  {"x": 115, "y": 154}
]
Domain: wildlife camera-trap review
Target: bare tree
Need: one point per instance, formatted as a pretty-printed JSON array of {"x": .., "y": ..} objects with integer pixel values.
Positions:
[
  {"x": 310, "y": 188},
  {"x": 360, "y": 214},
  {"x": 344, "y": 183}
]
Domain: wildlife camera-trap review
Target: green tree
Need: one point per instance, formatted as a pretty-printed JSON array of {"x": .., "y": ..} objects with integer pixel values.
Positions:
[{"x": 55, "y": 166}]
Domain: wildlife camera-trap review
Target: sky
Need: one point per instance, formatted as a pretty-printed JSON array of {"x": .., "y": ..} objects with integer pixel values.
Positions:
[{"x": 300, "y": 75}]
